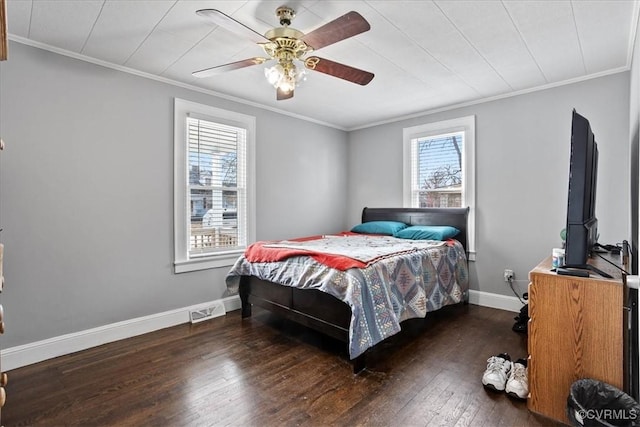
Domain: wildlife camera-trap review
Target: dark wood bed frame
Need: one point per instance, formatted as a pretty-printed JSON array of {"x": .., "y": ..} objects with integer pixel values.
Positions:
[{"x": 324, "y": 312}]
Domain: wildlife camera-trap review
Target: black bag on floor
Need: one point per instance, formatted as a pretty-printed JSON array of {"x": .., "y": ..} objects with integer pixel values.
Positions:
[{"x": 522, "y": 320}]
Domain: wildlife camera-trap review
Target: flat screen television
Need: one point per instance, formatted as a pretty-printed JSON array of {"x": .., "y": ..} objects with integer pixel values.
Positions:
[{"x": 582, "y": 224}]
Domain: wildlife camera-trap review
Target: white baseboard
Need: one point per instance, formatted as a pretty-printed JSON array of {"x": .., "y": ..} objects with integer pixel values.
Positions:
[
  {"x": 23, "y": 355},
  {"x": 501, "y": 302}
]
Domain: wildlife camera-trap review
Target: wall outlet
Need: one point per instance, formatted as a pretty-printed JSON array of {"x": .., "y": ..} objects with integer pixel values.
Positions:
[
  {"x": 508, "y": 276},
  {"x": 205, "y": 313}
]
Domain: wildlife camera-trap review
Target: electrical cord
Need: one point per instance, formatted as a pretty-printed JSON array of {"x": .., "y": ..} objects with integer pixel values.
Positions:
[
  {"x": 616, "y": 266},
  {"x": 514, "y": 291}
]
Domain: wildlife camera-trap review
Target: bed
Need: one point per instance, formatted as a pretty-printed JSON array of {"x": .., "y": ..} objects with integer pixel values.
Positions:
[{"x": 357, "y": 305}]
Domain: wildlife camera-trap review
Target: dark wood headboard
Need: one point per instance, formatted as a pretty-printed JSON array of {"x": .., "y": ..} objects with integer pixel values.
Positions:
[{"x": 455, "y": 217}]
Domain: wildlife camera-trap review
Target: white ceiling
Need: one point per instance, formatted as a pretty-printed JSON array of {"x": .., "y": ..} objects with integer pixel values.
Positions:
[{"x": 426, "y": 55}]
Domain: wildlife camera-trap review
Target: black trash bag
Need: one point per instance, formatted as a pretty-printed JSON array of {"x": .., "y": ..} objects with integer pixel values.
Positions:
[{"x": 595, "y": 403}]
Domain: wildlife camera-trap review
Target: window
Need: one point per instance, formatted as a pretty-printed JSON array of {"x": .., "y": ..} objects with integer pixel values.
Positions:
[
  {"x": 439, "y": 167},
  {"x": 213, "y": 186}
]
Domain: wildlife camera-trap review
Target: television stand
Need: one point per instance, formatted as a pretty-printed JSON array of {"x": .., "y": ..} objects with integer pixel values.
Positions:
[
  {"x": 581, "y": 270},
  {"x": 576, "y": 330}
]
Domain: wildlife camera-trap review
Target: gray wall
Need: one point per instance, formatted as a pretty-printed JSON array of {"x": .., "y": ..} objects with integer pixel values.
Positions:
[
  {"x": 86, "y": 193},
  {"x": 522, "y": 169}
]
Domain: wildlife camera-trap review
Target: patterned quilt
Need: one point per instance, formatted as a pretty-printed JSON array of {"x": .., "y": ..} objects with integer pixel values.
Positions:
[
  {"x": 381, "y": 295},
  {"x": 363, "y": 247}
]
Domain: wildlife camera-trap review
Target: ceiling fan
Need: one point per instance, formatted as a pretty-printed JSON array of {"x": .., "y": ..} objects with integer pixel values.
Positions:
[{"x": 287, "y": 45}]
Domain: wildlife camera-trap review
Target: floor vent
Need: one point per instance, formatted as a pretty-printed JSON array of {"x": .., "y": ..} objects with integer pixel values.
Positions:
[{"x": 206, "y": 313}]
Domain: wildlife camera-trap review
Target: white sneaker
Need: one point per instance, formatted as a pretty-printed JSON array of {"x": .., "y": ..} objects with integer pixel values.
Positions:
[
  {"x": 517, "y": 384},
  {"x": 498, "y": 369}
]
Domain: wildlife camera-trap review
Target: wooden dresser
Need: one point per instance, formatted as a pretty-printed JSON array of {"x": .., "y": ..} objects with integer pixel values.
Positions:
[
  {"x": 575, "y": 331},
  {"x": 3, "y": 375}
]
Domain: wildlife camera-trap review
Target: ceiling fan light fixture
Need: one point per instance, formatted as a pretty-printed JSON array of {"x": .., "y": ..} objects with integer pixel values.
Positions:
[
  {"x": 301, "y": 75},
  {"x": 274, "y": 75},
  {"x": 285, "y": 77},
  {"x": 287, "y": 84}
]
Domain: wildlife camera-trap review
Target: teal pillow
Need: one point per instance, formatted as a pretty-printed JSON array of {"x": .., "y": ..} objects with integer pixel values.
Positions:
[
  {"x": 388, "y": 228},
  {"x": 427, "y": 232}
]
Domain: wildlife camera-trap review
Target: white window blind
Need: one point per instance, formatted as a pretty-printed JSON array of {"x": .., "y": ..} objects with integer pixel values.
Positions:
[
  {"x": 217, "y": 187},
  {"x": 436, "y": 171}
]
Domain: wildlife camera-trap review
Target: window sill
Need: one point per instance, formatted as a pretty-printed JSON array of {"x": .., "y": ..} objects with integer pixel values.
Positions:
[{"x": 204, "y": 263}]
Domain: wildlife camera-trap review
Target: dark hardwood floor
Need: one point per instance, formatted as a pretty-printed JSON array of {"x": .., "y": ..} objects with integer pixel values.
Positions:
[{"x": 269, "y": 372}]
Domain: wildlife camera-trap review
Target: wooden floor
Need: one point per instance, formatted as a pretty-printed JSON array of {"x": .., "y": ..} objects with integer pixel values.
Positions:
[{"x": 269, "y": 372}]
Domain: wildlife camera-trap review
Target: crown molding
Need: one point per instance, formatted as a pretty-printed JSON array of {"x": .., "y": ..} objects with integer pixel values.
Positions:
[{"x": 106, "y": 64}]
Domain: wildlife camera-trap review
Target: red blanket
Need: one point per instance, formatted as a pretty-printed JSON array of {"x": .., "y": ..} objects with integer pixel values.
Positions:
[{"x": 258, "y": 253}]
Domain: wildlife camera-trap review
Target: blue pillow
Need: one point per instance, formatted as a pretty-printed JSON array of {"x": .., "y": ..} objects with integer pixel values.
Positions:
[
  {"x": 388, "y": 228},
  {"x": 428, "y": 232}
]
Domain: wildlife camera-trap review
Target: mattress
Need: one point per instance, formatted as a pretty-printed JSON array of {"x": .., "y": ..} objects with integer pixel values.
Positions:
[{"x": 396, "y": 280}]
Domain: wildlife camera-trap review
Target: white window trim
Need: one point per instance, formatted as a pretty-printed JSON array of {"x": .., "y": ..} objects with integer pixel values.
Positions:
[
  {"x": 468, "y": 125},
  {"x": 182, "y": 108}
]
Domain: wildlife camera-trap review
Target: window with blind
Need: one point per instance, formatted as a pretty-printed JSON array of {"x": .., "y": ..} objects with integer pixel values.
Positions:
[
  {"x": 213, "y": 185},
  {"x": 436, "y": 173},
  {"x": 439, "y": 161},
  {"x": 216, "y": 185}
]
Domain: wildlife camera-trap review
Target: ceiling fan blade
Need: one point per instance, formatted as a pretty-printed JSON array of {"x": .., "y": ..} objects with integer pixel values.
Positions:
[
  {"x": 228, "y": 67},
  {"x": 225, "y": 21},
  {"x": 339, "y": 70},
  {"x": 341, "y": 28},
  {"x": 281, "y": 95}
]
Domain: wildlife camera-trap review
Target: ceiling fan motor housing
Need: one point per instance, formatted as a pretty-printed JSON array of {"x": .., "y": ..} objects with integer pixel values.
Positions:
[
  {"x": 285, "y": 44},
  {"x": 285, "y": 14}
]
